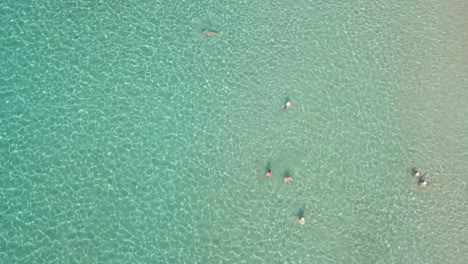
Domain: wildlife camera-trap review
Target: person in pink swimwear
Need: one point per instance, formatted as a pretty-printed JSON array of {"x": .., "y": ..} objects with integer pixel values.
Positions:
[
  {"x": 287, "y": 179},
  {"x": 287, "y": 105}
]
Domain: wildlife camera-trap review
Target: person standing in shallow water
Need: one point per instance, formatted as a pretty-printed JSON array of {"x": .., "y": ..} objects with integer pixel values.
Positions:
[{"x": 268, "y": 174}]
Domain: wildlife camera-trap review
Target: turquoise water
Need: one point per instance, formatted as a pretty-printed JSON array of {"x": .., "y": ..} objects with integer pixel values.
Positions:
[{"x": 129, "y": 137}]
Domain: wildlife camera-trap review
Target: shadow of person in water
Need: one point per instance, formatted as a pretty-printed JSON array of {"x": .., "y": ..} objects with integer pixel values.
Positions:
[{"x": 300, "y": 213}]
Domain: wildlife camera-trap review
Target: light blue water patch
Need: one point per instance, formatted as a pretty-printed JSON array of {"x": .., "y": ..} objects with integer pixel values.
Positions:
[{"x": 127, "y": 136}]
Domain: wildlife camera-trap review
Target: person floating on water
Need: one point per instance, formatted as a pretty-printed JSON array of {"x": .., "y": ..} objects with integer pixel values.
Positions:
[
  {"x": 301, "y": 220},
  {"x": 207, "y": 32},
  {"x": 287, "y": 179},
  {"x": 268, "y": 174},
  {"x": 287, "y": 105}
]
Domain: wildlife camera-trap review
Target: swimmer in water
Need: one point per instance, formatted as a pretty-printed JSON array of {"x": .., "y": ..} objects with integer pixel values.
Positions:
[
  {"x": 207, "y": 32},
  {"x": 422, "y": 181},
  {"x": 287, "y": 105},
  {"x": 268, "y": 174},
  {"x": 287, "y": 179},
  {"x": 417, "y": 174},
  {"x": 301, "y": 220}
]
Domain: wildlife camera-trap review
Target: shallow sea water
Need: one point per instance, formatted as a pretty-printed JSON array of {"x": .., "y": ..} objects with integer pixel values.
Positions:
[{"x": 129, "y": 137}]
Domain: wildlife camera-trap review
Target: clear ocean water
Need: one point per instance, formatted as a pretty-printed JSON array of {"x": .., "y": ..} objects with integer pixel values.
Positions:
[{"x": 127, "y": 136}]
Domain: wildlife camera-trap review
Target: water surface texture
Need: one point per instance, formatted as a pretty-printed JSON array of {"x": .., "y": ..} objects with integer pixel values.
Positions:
[{"x": 127, "y": 136}]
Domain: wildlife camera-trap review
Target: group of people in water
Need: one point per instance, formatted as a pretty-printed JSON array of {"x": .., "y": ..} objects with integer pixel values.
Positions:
[
  {"x": 287, "y": 178},
  {"x": 421, "y": 178}
]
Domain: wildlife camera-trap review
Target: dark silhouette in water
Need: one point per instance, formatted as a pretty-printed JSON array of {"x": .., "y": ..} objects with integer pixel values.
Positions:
[{"x": 300, "y": 213}]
